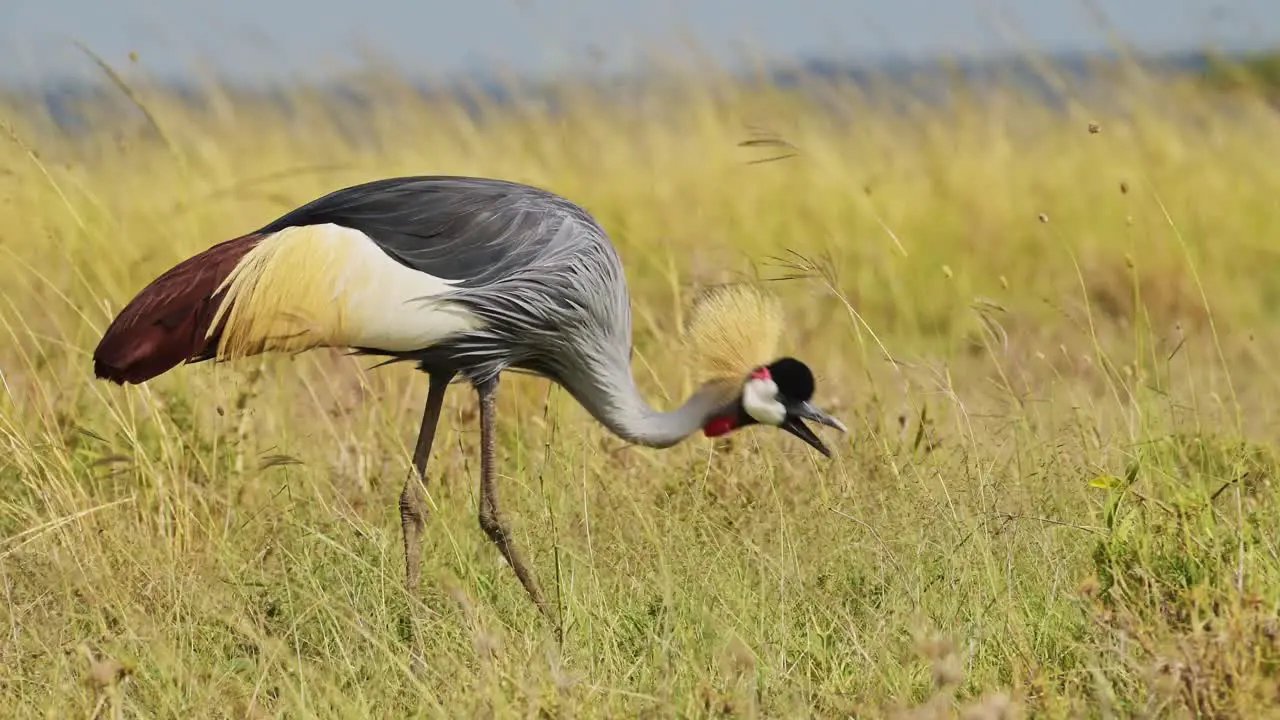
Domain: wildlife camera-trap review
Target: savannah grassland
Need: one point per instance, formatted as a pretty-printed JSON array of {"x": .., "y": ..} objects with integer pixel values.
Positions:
[{"x": 1055, "y": 346}]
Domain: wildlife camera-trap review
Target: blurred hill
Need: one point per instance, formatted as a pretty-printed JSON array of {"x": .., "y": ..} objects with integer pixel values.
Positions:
[{"x": 1053, "y": 78}]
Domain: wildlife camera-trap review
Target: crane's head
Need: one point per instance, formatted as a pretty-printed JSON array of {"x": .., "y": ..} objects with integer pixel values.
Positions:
[
  {"x": 732, "y": 340},
  {"x": 776, "y": 394}
]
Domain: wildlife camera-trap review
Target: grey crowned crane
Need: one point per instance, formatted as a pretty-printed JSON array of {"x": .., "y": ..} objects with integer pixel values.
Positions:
[{"x": 465, "y": 277}]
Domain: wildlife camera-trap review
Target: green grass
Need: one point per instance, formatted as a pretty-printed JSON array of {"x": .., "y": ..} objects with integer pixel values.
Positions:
[{"x": 1058, "y": 492}]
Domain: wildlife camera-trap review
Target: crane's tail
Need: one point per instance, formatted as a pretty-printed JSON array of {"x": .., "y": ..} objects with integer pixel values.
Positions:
[{"x": 168, "y": 322}]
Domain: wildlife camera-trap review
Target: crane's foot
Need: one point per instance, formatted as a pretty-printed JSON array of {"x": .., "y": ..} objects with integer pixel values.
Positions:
[
  {"x": 413, "y": 516},
  {"x": 413, "y": 523},
  {"x": 495, "y": 527}
]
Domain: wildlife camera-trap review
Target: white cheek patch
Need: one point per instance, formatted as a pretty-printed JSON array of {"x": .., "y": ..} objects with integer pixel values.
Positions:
[{"x": 760, "y": 400}]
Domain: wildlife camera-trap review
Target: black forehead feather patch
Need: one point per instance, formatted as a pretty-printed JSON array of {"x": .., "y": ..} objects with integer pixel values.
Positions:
[{"x": 793, "y": 378}]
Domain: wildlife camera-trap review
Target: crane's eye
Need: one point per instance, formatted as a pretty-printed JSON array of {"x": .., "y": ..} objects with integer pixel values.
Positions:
[{"x": 760, "y": 401}]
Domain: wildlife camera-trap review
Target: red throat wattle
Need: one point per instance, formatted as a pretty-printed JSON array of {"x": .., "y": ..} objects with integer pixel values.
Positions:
[
  {"x": 724, "y": 423},
  {"x": 719, "y": 426}
]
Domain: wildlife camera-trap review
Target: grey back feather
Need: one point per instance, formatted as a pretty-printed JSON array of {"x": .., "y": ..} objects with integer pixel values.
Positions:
[{"x": 536, "y": 267}]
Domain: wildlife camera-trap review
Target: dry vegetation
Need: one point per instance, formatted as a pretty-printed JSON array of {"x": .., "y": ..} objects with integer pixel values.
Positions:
[{"x": 1055, "y": 345}]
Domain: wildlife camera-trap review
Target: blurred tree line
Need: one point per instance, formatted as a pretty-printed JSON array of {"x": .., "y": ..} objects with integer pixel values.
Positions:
[{"x": 1255, "y": 72}]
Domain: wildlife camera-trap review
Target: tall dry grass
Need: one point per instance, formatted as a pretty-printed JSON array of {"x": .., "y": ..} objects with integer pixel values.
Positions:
[{"x": 1054, "y": 342}]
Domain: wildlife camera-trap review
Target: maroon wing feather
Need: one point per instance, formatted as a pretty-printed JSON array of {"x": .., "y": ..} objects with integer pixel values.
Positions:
[{"x": 167, "y": 322}]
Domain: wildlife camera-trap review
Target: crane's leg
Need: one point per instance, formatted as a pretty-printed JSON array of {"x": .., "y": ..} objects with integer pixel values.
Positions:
[
  {"x": 413, "y": 503},
  {"x": 491, "y": 520}
]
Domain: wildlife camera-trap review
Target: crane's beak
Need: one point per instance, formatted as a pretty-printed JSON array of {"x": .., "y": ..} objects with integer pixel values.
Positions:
[{"x": 794, "y": 424}]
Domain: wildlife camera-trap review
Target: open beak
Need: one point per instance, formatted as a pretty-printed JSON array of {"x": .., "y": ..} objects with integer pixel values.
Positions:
[{"x": 800, "y": 412}]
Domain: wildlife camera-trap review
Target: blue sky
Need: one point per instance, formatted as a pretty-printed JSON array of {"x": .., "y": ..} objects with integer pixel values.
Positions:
[{"x": 273, "y": 39}]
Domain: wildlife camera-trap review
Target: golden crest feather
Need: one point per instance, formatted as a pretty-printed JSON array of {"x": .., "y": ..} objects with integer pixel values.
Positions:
[{"x": 732, "y": 329}]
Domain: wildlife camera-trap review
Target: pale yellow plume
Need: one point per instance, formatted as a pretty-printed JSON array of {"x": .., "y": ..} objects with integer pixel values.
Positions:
[
  {"x": 326, "y": 285},
  {"x": 732, "y": 330}
]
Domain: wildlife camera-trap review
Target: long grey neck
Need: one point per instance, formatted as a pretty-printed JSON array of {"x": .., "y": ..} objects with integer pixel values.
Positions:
[{"x": 608, "y": 391}]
